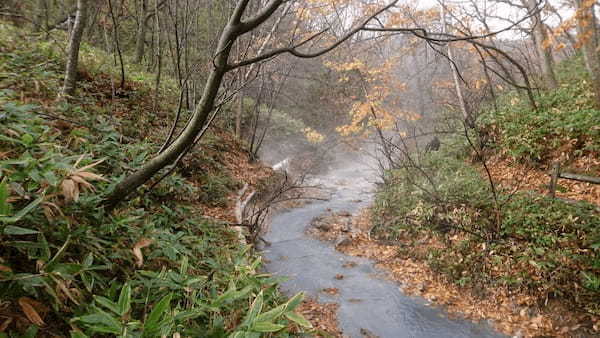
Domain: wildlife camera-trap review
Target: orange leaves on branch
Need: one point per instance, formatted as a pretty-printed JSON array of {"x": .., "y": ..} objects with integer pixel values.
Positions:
[
  {"x": 318, "y": 8},
  {"x": 377, "y": 85}
]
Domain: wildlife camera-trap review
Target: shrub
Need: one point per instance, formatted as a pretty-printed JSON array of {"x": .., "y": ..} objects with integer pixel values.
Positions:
[
  {"x": 566, "y": 120},
  {"x": 543, "y": 246},
  {"x": 152, "y": 267}
]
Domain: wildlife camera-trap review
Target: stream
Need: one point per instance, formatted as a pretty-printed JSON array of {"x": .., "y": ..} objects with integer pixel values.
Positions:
[{"x": 367, "y": 301}]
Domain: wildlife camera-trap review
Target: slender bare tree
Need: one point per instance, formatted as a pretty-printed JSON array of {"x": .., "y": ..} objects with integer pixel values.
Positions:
[
  {"x": 235, "y": 27},
  {"x": 455, "y": 76},
  {"x": 586, "y": 35},
  {"x": 540, "y": 35},
  {"x": 73, "y": 51}
]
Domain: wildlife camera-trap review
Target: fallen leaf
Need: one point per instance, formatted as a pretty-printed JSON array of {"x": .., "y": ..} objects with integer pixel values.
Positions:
[
  {"x": 51, "y": 210},
  {"x": 61, "y": 285},
  {"x": 82, "y": 181},
  {"x": 28, "y": 306},
  {"x": 331, "y": 291},
  {"x": 70, "y": 190},
  {"x": 5, "y": 324},
  {"x": 88, "y": 166},
  {"x": 137, "y": 251},
  {"x": 90, "y": 176},
  {"x": 349, "y": 265}
]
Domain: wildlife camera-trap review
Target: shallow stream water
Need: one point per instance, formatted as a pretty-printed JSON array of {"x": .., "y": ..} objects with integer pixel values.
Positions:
[{"x": 367, "y": 301}]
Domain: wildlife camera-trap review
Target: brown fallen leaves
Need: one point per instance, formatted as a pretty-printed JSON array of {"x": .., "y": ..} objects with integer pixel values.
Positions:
[
  {"x": 518, "y": 176},
  {"x": 28, "y": 306},
  {"x": 322, "y": 316},
  {"x": 331, "y": 291},
  {"x": 349, "y": 265},
  {"x": 331, "y": 226}
]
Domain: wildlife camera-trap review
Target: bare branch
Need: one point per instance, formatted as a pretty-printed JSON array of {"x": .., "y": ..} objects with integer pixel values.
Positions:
[
  {"x": 293, "y": 50},
  {"x": 260, "y": 17}
]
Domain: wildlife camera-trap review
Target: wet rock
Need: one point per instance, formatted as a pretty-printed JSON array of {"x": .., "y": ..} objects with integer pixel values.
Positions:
[
  {"x": 324, "y": 226},
  {"x": 368, "y": 333},
  {"x": 344, "y": 242},
  {"x": 349, "y": 265}
]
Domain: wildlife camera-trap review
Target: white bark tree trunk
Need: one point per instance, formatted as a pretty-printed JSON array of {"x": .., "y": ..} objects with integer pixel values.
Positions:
[
  {"x": 544, "y": 52},
  {"x": 73, "y": 51},
  {"x": 140, "y": 39},
  {"x": 459, "y": 93},
  {"x": 586, "y": 35},
  {"x": 246, "y": 76}
]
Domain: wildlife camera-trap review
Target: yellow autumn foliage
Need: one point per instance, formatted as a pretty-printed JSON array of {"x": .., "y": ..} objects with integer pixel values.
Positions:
[{"x": 313, "y": 136}]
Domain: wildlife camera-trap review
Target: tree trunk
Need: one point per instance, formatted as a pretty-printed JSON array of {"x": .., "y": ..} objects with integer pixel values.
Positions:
[
  {"x": 544, "y": 53},
  {"x": 187, "y": 137},
  {"x": 459, "y": 94},
  {"x": 586, "y": 35},
  {"x": 117, "y": 44},
  {"x": 140, "y": 39},
  {"x": 73, "y": 51},
  {"x": 41, "y": 14},
  {"x": 200, "y": 117},
  {"x": 246, "y": 76},
  {"x": 239, "y": 114}
]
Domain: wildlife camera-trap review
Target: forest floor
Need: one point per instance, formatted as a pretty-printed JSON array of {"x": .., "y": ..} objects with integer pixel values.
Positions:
[{"x": 520, "y": 177}]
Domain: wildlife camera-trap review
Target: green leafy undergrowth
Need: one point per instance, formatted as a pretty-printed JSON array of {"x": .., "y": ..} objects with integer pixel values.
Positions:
[
  {"x": 544, "y": 247},
  {"x": 152, "y": 267},
  {"x": 566, "y": 120}
]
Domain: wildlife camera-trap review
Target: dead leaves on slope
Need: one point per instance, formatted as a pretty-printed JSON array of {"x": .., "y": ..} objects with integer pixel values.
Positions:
[
  {"x": 514, "y": 175},
  {"x": 323, "y": 317},
  {"x": 21, "y": 314}
]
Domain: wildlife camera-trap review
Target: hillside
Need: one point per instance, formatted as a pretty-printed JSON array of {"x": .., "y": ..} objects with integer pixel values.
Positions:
[
  {"x": 477, "y": 220},
  {"x": 167, "y": 262}
]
